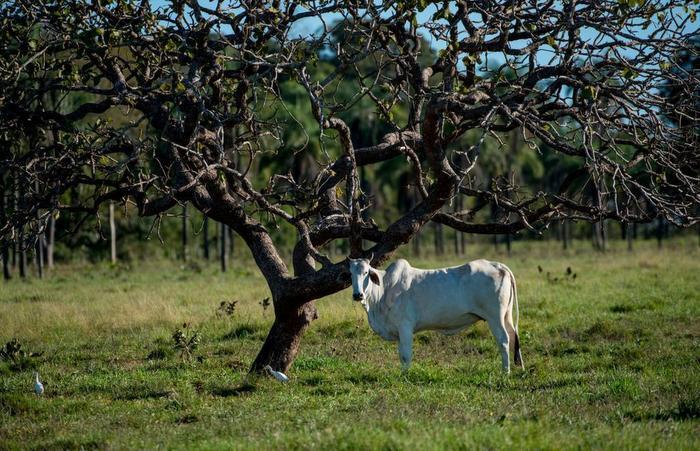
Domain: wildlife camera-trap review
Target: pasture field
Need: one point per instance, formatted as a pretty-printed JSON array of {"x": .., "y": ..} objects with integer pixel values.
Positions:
[{"x": 612, "y": 361}]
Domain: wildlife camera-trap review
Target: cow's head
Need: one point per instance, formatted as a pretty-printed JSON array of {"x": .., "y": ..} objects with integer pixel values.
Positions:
[{"x": 362, "y": 274}]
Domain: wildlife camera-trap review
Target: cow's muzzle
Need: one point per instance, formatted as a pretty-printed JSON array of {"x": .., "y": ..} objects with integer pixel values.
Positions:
[{"x": 357, "y": 296}]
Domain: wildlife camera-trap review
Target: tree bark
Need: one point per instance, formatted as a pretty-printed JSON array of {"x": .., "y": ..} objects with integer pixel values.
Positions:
[
  {"x": 112, "y": 235},
  {"x": 282, "y": 343}
]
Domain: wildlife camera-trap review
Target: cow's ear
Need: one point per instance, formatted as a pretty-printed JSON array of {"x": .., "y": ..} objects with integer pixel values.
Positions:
[{"x": 374, "y": 276}]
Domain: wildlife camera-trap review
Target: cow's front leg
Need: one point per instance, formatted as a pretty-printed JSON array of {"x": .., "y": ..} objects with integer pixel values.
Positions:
[{"x": 405, "y": 346}]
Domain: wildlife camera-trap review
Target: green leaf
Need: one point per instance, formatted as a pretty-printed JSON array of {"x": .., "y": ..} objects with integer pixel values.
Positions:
[
  {"x": 589, "y": 92},
  {"x": 629, "y": 73}
]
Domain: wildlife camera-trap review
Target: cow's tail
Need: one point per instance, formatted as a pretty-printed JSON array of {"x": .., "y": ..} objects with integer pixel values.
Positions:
[{"x": 518, "y": 358}]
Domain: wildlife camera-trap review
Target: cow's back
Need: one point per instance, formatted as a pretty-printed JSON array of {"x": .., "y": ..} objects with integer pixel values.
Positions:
[{"x": 445, "y": 298}]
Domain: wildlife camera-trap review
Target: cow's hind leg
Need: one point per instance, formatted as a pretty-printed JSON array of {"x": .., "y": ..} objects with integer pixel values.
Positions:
[
  {"x": 405, "y": 346},
  {"x": 514, "y": 339},
  {"x": 499, "y": 331}
]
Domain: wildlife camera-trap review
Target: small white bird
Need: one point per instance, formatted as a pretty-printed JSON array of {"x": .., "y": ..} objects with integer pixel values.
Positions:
[
  {"x": 38, "y": 386},
  {"x": 277, "y": 375}
]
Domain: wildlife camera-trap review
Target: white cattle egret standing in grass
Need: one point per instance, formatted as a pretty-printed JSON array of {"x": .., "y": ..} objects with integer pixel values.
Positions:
[
  {"x": 38, "y": 386},
  {"x": 277, "y": 375}
]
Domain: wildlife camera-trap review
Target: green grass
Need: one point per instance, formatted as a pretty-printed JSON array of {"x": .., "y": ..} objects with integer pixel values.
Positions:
[{"x": 611, "y": 360}]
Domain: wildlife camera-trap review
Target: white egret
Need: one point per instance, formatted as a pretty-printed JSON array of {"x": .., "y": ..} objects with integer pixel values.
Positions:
[
  {"x": 38, "y": 386},
  {"x": 277, "y": 375}
]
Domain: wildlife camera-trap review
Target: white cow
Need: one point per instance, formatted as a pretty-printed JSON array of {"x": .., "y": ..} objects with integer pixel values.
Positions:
[{"x": 403, "y": 300}]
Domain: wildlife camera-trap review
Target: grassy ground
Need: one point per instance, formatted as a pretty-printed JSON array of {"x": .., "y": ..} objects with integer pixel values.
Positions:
[{"x": 611, "y": 360}]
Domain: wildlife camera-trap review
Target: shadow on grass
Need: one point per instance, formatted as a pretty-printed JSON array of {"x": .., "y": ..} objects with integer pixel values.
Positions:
[
  {"x": 686, "y": 409},
  {"x": 250, "y": 331},
  {"x": 241, "y": 390},
  {"x": 142, "y": 393}
]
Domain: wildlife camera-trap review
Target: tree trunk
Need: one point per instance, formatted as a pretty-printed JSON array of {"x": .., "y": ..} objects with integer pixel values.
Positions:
[
  {"x": 439, "y": 239},
  {"x": 5, "y": 249},
  {"x": 282, "y": 342},
  {"x": 50, "y": 242},
  {"x": 231, "y": 242},
  {"x": 14, "y": 254},
  {"x": 185, "y": 255},
  {"x": 112, "y": 235},
  {"x": 39, "y": 256},
  {"x": 6, "y": 263},
  {"x": 223, "y": 246},
  {"x": 628, "y": 236},
  {"x": 22, "y": 254},
  {"x": 19, "y": 195},
  {"x": 416, "y": 244},
  {"x": 660, "y": 231},
  {"x": 599, "y": 238},
  {"x": 205, "y": 238},
  {"x": 565, "y": 234}
]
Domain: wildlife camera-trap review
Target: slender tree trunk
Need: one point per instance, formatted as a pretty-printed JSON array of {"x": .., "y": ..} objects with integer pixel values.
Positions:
[
  {"x": 282, "y": 343},
  {"x": 15, "y": 247},
  {"x": 416, "y": 244},
  {"x": 5, "y": 249},
  {"x": 22, "y": 255},
  {"x": 112, "y": 235},
  {"x": 603, "y": 236},
  {"x": 185, "y": 235},
  {"x": 439, "y": 239},
  {"x": 39, "y": 256},
  {"x": 494, "y": 216},
  {"x": 231, "y": 243},
  {"x": 595, "y": 236},
  {"x": 457, "y": 233},
  {"x": 6, "y": 263},
  {"x": 456, "y": 242},
  {"x": 19, "y": 196},
  {"x": 660, "y": 231},
  {"x": 39, "y": 246},
  {"x": 50, "y": 243},
  {"x": 205, "y": 238},
  {"x": 628, "y": 236},
  {"x": 565, "y": 234},
  {"x": 223, "y": 246}
]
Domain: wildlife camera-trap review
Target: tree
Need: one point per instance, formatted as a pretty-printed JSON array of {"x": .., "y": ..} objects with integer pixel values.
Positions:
[{"x": 197, "y": 88}]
